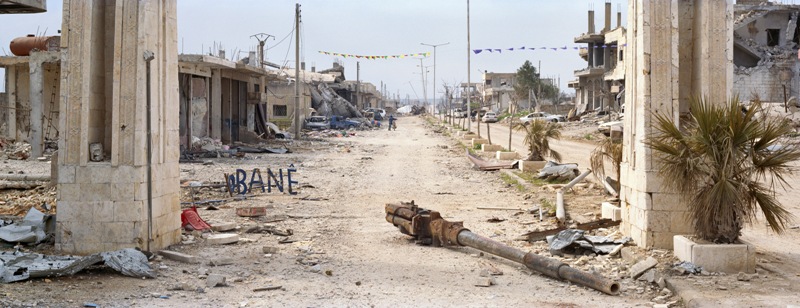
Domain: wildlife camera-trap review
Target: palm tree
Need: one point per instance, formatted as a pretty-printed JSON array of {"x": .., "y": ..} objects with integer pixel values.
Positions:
[
  {"x": 609, "y": 149},
  {"x": 728, "y": 163},
  {"x": 537, "y": 137}
]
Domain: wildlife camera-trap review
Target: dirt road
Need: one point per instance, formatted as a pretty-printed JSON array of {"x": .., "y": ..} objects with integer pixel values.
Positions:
[{"x": 345, "y": 253}]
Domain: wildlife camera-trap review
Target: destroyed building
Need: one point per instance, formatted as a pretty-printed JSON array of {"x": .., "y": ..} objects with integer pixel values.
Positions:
[
  {"x": 599, "y": 86},
  {"x": 765, "y": 50}
]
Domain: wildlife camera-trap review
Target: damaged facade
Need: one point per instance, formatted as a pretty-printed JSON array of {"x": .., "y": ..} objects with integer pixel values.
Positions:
[
  {"x": 765, "y": 51},
  {"x": 600, "y": 84}
]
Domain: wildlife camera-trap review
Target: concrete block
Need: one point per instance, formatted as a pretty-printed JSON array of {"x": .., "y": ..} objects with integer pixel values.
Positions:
[
  {"x": 657, "y": 221},
  {"x": 130, "y": 211},
  {"x": 726, "y": 258},
  {"x": 215, "y": 280},
  {"x": 223, "y": 226},
  {"x": 469, "y": 136},
  {"x": 222, "y": 239},
  {"x": 66, "y": 174},
  {"x": 681, "y": 223},
  {"x": 477, "y": 141},
  {"x": 662, "y": 240},
  {"x": 611, "y": 211},
  {"x": 682, "y": 247},
  {"x": 639, "y": 268},
  {"x": 530, "y": 166},
  {"x": 668, "y": 202},
  {"x": 506, "y": 155},
  {"x": 102, "y": 211},
  {"x": 491, "y": 147}
]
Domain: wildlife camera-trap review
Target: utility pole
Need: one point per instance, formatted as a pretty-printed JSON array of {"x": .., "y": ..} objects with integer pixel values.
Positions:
[
  {"x": 433, "y": 108},
  {"x": 469, "y": 108},
  {"x": 297, "y": 72},
  {"x": 261, "y": 44},
  {"x": 422, "y": 76},
  {"x": 358, "y": 83},
  {"x": 539, "y": 81}
]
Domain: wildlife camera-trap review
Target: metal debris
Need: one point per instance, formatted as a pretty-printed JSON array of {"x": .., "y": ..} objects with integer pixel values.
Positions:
[
  {"x": 30, "y": 229},
  {"x": 19, "y": 266},
  {"x": 575, "y": 240}
]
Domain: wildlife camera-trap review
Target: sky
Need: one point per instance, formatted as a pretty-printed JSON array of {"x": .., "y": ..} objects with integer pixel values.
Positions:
[{"x": 376, "y": 28}]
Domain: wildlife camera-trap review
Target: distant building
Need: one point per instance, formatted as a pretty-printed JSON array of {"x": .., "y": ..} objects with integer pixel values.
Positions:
[{"x": 599, "y": 85}]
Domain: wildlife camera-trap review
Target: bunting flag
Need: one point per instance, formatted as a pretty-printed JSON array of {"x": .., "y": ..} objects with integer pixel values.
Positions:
[
  {"x": 346, "y": 55},
  {"x": 500, "y": 50}
]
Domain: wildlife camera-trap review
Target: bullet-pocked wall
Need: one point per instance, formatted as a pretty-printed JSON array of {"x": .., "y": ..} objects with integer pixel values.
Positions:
[{"x": 102, "y": 203}]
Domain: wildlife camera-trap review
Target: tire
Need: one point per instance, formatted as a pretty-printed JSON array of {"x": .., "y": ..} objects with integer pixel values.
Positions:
[{"x": 351, "y": 126}]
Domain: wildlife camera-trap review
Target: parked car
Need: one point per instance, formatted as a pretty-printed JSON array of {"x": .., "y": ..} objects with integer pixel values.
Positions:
[
  {"x": 340, "y": 122},
  {"x": 317, "y": 122},
  {"x": 377, "y": 111},
  {"x": 542, "y": 116},
  {"x": 489, "y": 117}
]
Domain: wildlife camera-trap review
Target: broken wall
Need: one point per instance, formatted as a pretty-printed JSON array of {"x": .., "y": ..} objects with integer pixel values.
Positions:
[{"x": 766, "y": 82}]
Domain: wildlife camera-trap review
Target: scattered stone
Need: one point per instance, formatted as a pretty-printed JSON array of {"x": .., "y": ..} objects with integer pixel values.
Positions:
[
  {"x": 650, "y": 276},
  {"x": 358, "y": 283},
  {"x": 639, "y": 268},
  {"x": 200, "y": 290},
  {"x": 270, "y": 249},
  {"x": 163, "y": 267},
  {"x": 177, "y": 256},
  {"x": 485, "y": 273},
  {"x": 220, "y": 261},
  {"x": 722, "y": 287},
  {"x": 267, "y": 288},
  {"x": 329, "y": 272},
  {"x": 661, "y": 306},
  {"x": 486, "y": 282},
  {"x": 628, "y": 254},
  {"x": 661, "y": 282},
  {"x": 743, "y": 277},
  {"x": 223, "y": 226},
  {"x": 202, "y": 271},
  {"x": 316, "y": 268},
  {"x": 222, "y": 239},
  {"x": 215, "y": 280},
  {"x": 665, "y": 292}
]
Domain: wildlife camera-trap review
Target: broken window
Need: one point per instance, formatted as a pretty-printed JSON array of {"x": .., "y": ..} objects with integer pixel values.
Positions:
[
  {"x": 773, "y": 37},
  {"x": 488, "y": 82},
  {"x": 796, "y": 38},
  {"x": 279, "y": 111}
]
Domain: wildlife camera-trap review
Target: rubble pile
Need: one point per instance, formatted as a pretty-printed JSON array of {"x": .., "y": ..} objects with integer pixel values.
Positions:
[{"x": 16, "y": 151}]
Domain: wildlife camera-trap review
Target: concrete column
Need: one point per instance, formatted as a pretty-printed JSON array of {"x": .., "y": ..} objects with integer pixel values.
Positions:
[
  {"x": 216, "y": 104},
  {"x": 36, "y": 87},
  {"x": 661, "y": 77},
  {"x": 103, "y": 205},
  {"x": 11, "y": 113}
]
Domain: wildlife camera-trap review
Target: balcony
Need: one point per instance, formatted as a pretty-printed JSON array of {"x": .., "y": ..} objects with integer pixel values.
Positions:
[
  {"x": 590, "y": 38},
  {"x": 590, "y": 72}
]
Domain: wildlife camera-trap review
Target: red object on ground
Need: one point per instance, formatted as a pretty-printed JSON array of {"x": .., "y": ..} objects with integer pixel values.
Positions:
[{"x": 190, "y": 217}]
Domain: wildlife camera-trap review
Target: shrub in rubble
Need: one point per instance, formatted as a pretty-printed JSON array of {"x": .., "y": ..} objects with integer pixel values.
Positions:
[
  {"x": 727, "y": 163},
  {"x": 538, "y": 134}
]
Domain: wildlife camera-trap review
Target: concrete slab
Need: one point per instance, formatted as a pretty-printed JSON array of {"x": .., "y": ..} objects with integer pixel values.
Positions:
[
  {"x": 639, "y": 268},
  {"x": 611, "y": 211},
  {"x": 177, "y": 256},
  {"x": 531, "y": 166},
  {"x": 477, "y": 141},
  {"x": 223, "y": 226},
  {"x": 506, "y": 155},
  {"x": 725, "y": 258},
  {"x": 491, "y": 147},
  {"x": 222, "y": 239}
]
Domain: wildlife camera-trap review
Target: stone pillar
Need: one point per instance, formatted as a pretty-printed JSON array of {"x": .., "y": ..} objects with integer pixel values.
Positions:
[
  {"x": 676, "y": 49},
  {"x": 216, "y": 104},
  {"x": 11, "y": 101},
  {"x": 36, "y": 89},
  {"x": 104, "y": 205}
]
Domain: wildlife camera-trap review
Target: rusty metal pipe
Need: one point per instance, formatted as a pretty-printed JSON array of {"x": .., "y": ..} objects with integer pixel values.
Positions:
[
  {"x": 547, "y": 266},
  {"x": 428, "y": 227}
]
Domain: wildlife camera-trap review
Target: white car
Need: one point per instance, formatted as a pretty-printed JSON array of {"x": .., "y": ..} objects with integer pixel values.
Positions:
[
  {"x": 542, "y": 116},
  {"x": 489, "y": 117}
]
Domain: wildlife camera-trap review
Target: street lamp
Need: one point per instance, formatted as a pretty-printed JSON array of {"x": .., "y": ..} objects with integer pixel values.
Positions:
[{"x": 433, "y": 110}]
